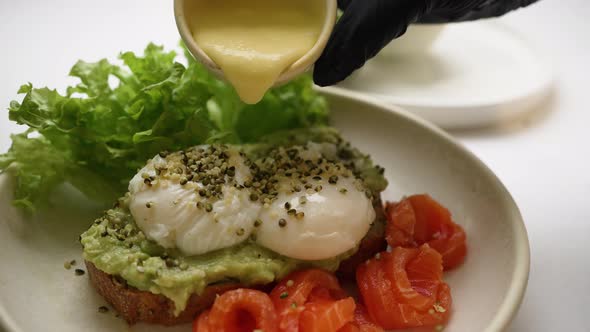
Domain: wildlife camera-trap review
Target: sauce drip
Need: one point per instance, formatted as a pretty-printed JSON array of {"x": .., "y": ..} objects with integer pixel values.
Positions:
[{"x": 254, "y": 41}]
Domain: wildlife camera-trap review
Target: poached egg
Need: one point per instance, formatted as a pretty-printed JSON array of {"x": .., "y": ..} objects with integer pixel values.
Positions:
[{"x": 300, "y": 202}]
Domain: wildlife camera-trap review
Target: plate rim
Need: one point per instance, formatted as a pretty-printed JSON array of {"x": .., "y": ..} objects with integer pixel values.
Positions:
[
  {"x": 520, "y": 276},
  {"x": 519, "y": 279}
]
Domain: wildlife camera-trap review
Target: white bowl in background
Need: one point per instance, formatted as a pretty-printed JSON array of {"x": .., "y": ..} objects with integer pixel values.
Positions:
[
  {"x": 419, "y": 38},
  {"x": 465, "y": 75}
]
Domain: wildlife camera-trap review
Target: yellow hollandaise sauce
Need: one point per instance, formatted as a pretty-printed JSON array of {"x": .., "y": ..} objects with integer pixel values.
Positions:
[{"x": 254, "y": 41}]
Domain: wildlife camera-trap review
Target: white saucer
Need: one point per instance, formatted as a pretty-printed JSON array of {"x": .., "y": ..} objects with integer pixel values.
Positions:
[{"x": 475, "y": 74}]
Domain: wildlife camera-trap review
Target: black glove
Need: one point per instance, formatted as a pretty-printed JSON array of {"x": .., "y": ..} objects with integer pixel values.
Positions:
[{"x": 369, "y": 25}]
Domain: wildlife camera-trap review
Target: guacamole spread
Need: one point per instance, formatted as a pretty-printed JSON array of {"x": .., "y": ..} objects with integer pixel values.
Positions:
[{"x": 115, "y": 245}]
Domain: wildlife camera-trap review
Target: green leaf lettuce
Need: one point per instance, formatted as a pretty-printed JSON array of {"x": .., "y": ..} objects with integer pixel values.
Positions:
[{"x": 104, "y": 128}]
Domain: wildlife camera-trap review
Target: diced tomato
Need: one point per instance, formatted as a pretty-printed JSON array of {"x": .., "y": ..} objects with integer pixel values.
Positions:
[
  {"x": 292, "y": 294},
  {"x": 404, "y": 288},
  {"x": 327, "y": 315},
  {"x": 240, "y": 310},
  {"x": 362, "y": 322},
  {"x": 419, "y": 219}
]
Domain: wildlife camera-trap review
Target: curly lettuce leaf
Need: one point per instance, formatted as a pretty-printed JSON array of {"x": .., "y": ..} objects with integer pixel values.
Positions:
[{"x": 104, "y": 128}]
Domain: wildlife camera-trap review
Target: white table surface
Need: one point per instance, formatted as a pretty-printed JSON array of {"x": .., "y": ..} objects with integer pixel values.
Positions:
[{"x": 543, "y": 159}]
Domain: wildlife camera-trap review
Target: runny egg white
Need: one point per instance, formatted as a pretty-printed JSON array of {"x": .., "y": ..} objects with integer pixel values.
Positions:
[
  {"x": 167, "y": 211},
  {"x": 201, "y": 204}
]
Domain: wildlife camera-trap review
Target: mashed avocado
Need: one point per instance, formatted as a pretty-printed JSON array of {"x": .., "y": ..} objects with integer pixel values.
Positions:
[{"x": 115, "y": 244}]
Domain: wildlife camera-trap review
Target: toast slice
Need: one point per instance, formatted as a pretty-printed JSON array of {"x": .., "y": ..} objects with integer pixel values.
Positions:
[{"x": 135, "y": 305}]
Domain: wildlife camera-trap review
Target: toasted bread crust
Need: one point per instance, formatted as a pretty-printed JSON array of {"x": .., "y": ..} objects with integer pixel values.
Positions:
[{"x": 135, "y": 306}]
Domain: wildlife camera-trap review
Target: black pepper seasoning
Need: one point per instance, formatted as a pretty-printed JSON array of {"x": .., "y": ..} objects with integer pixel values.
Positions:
[
  {"x": 333, "y": 179},
  {"x": 208, "y": 207}
]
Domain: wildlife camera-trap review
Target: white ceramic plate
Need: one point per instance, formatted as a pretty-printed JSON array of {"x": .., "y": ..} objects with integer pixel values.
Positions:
[
  {"x": 475, "y": 74},
  {"x": 38, "y": 294}
]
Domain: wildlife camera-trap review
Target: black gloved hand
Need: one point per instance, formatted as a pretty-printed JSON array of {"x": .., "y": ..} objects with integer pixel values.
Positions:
[{"x": 369, "y": 25}]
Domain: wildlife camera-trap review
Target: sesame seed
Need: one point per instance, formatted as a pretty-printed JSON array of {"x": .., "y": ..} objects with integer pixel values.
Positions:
[
  {"x": 284, "y": 295},
  {"x": 208, "y": 207},
  {"x": 299, "y": 215},
  {"x": 290, "y": 283},
  {"x": 79, "y": 272},
  {"x": 149, "y": 205},
  {"x": 333, "y": 179},
  {"x": 282, "y": 222},
  {"x": 257, "y": 223},
  {"x": 103, "y": 309},
  {"x": 343, "y": 190},
  {"x": 240, "y": 232},
  {"x": 287, "y": 205}
]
